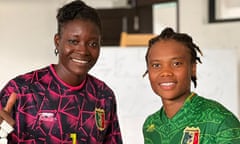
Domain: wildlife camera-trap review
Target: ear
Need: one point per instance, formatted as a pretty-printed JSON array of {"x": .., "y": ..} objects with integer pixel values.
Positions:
[{"x": 57, "y": 40}]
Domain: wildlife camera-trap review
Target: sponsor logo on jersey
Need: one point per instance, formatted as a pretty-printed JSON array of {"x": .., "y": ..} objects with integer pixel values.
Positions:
[
  {"x": 191, "y": 135},
  {"x": 151, "y": 128},
  {"x": 100, "y": 118},
  {"x": 47, "y": 116}
]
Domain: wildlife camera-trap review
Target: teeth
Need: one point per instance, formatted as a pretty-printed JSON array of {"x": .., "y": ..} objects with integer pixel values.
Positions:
[
  {"x": 80, "y": 61},
  {"x": 167, "y": 84}
]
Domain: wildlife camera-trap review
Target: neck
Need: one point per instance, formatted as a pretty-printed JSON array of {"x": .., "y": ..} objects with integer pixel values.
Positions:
[
  {"x": 171, "y": 107},
  {"x": 67, "y": 77}
]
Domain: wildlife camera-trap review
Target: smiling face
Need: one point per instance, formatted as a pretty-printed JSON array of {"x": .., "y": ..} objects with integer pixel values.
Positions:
[
  {"x": 170, "y": 70},
  {"x": 78, "y": 45}
]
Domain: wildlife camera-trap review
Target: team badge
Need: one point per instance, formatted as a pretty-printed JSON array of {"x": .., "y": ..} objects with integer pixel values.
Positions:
[
  {"x": 100, "y": 118},
  {"x": 191, "y": 135}
]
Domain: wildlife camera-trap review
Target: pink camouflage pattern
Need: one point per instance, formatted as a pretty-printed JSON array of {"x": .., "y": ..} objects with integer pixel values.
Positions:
[{"x": 49, "y": 111}]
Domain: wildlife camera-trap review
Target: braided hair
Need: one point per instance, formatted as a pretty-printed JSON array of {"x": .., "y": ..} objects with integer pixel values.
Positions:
[
  {"x": 185, "y": 39},
  {"x": 77, "y": 10}
]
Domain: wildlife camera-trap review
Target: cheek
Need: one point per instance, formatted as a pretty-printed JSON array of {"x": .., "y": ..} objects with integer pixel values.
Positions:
[
  {"x": 152, "y": 76},
  {"x": 95, "y": 53},
  {"x": 153, "y": 79},
  {"x": 64, "y": 50},
  {"x": 185, "y": 77}
]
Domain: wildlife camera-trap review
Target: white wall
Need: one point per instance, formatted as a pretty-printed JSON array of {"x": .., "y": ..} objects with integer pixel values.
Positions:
[
  {"x": 122, "y": 69},
  {"x": 164, "y": 15},
  {"x": 194, "y": 20},
  {"x": 26, "y": 36}
]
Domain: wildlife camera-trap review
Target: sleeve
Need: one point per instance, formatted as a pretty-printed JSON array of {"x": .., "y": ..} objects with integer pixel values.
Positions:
[
  {"x": 113, "y": 133},
  {"x": 150, "y": 131},
  {"x": 229, "y": 131},
  {"x": 6, "y": 92},
  {"x": 145, "y": 130}
]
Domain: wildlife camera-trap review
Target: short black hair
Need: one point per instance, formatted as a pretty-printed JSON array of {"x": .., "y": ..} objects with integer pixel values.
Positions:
[
  {"x": 183, "y": 38},
  {"x": 77, "y": 10}
]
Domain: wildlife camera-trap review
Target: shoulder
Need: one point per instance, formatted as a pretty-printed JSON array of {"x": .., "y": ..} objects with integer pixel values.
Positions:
[
  {"x": 22, "y": 82},
  {"x": 102, "y": 89},
  {"x": 211, "y": 108},
  {"x": 32, "y": 75},
  {"x": 151, "y": 122},
  {"x": 98, "y": 82},
  {"x": 152, "y": 118},
  {"x": 28, "y": 78},
  {"x": 209, "y": 104}
]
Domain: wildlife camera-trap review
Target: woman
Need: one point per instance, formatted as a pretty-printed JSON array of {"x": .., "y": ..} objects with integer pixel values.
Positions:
[
  {"x": 62, "y": 103},
  {"x": 185, "y": 117}
]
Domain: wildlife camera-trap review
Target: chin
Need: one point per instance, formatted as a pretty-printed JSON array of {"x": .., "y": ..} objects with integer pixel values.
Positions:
[{"x": 167, "y": 95}]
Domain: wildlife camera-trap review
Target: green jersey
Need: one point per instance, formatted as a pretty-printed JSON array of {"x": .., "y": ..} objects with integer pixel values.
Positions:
[{"x": 199, "y": 121}]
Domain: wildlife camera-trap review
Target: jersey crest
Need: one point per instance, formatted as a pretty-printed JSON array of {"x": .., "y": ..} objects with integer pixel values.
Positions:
[
  {"x": 191, "y": 135},
  {"x": 100, "y": 118}
]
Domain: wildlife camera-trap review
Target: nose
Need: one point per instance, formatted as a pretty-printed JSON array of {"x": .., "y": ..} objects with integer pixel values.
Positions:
[
  {"x": 166, "y": 71},
  {"x": 82, "y": 48}
]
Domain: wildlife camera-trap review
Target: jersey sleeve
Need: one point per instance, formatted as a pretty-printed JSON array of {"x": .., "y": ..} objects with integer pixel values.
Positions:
[
  {"x": 9, "y": 88},
  {"x": 113, "y": 135},
  {"x": 229, "y": 131}
]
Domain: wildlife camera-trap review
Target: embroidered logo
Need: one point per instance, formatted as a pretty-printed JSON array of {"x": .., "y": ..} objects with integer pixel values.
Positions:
[
  {"x": 151, "y": 128},
  {"x": 191, "y": 135},
  {"x": 100, "y": 118}
]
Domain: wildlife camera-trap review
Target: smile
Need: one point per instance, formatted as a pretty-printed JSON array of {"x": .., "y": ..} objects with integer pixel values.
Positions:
[
  {"x": 80, "y": 61},
  {"x": 167, "y": 84}
]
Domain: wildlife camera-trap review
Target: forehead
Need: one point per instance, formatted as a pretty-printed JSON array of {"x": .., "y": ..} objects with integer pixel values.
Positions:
[
  {"x": 168, "y": 48},
  {"x": 79, "y": 25}
]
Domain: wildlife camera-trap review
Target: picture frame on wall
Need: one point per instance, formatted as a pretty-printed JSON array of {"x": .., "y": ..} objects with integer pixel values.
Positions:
[{"x": 224, "y": 10}]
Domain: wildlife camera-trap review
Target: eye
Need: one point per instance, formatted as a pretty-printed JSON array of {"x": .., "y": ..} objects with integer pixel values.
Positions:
[
  {"x": 93, "y": 44},
  {"x": 177, "y": 63},
  {"x": 155, "y": 65},
  {"x": 73, "y": 42}
]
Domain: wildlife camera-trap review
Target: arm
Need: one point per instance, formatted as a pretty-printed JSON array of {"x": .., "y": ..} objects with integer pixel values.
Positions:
[
  {"x": 229, "y": 131},
  {"x": 113, "y": 134},
  {"x": 6, "y": 121}
]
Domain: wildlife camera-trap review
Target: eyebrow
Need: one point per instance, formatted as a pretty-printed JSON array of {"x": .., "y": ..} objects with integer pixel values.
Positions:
[
  {"x": 178, "y": 58},
  {"x": 171, "y": 58}
]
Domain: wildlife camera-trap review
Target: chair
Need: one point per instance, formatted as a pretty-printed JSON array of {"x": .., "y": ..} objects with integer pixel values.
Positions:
[{"x": 135, "y": 39}]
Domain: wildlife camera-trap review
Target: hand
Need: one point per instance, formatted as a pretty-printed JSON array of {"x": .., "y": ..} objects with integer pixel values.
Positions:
[
  {"x": 10, "y": 103},
  {"x": 5, "y": 112},
  {"x": 6, "y": 121}
]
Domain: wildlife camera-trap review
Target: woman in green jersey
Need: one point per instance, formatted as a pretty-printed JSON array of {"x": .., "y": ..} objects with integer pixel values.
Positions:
[{"x": 185, "y": 117}]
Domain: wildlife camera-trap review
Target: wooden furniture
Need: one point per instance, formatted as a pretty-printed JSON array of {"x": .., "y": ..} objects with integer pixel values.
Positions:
[
  {"x": 137, "y": 17},
  {"x": 117, "y": 20},
  {"x": 135, "y": 39}
]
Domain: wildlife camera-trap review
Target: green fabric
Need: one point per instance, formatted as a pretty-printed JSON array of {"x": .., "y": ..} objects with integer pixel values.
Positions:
[{"x": 212, "y": 122}]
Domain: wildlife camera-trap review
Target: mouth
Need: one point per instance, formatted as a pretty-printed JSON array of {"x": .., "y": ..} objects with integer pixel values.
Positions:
[
  {"x": 167, "y": 85},
  {"x": 81, "y": 61}
]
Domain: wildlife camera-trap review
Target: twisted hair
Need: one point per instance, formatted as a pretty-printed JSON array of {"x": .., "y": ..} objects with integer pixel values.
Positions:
[
  {"x": 185, "y": 39},
  {"x": 77, "y": 10}
]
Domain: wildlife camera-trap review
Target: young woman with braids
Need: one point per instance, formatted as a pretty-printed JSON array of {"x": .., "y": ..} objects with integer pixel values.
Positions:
[
  {"x": 185, "y": 117},
  {"x": 62, "y": 103}
]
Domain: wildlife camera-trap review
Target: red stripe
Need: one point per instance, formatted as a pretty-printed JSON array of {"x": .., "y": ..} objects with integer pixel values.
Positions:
[
  {"x": 103, "y": 121},
  {"x": 195, "y": 140}
]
